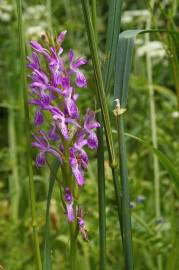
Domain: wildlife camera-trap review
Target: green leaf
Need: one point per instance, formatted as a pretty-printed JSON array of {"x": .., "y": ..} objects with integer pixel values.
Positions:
[
  {"x": 124, "y": 55},
  {"x": 113, "y": 29},
  {"x": 47, "y": 250},
  {"x": 164, "y": 160},
  {"x": 123, "y": 64},
  {"x": 99, "y": 80}
]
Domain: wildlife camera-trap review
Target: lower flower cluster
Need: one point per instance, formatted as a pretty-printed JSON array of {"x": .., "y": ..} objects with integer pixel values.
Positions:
[{"x": 53, "y": 94}]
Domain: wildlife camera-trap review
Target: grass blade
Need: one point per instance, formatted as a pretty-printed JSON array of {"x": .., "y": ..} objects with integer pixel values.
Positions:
[
  {"x": 124, "y": 60},
  {"x": 101, "y": 196},
  {"x": 101, "y": 173},
  {"x": 27, "y": 130},
  {"x": 125, "y": 200},
  {"x": 113, "y": 29},
  {"x": 47, "y": 250},
  {"x": 99, "y": 80},
  {"x": 153, "y": 128},
  {"x": 164, "y": 160},
  {"x": 123, "y": 64}
]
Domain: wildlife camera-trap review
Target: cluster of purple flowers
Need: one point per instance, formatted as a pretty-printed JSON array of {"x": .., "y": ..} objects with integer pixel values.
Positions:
[{"x": 53, "y": 93}]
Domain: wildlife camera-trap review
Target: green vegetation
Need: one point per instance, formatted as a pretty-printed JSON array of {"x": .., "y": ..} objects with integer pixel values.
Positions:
[{"x": 131, "y": 191}]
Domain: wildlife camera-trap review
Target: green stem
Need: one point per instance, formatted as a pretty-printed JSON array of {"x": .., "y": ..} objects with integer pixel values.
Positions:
[
  {"x": 49, "y": 16},
  {"x": 99, "y": 81},
  {"x": 14, "y": 178},
  {"x": 73, "y": 247},
  {"x": 125, "y": 202},
  {"x": 101, "y": 196},
  {"x": 94, "y": 16},
  {"x": 154, "y": 136},
  {"x": 101, "y": 172},
  {"x": 27, "y": 132},
  {"x": 175, "y": 66}
]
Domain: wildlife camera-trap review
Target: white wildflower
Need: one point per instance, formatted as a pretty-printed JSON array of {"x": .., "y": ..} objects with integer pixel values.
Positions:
[
  {"x": 154, "y": 48},
  {"x": 35, "y": 31},
  {"x": 129, "y": 15},
  {"x": 175, "y": 114}
]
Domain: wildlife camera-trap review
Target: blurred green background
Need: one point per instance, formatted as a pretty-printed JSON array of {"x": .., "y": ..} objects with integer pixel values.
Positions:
[{"x": 16, "y": 245}]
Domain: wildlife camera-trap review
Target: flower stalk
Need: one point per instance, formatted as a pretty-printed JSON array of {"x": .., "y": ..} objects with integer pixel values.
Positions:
[
  {"x": 101, "y": 171},
  {"x": 27, "y": 133},
  {"x": 99, "y": 81}
]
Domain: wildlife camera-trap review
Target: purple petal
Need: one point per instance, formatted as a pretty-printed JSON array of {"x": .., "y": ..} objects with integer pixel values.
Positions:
[
  {"x": 54, "y": 153},
  {"x": 37, "y": 85},
  {"x": 40, "y": 76},
  {"x": 78, "y": 175},
  {"x": 79, "y": 62},
  {"x": 81, "y": 80},
  {"x": 90, "y": 122},
  {"x": 61, "y": 37},
  {"x": 44, "y": 98},
  {"x": 68, "y": 195},
  {"x": 84, "y": 159},
  {"x": 71, "y": 108},
  {"x": 73, "y": 122},
  {"x": 37, "y": 46},
  {"x": 70, "y": 212},
  {"x": 33, "y": 61},
  {"x": 92, "y": 140},
  {"x": 64, "y": 129},
  {"x": 40, "y": 159},
  {"x": 42, "y": 133},
  {"x": 38, "y": 120},
  {"x": 65, "y": 82},
  {"x": 55, "y": 89},
  {"x": 38, "y": 145},
  {"x": 71, "y": 56},
  {"x": 52, "y": 134}
]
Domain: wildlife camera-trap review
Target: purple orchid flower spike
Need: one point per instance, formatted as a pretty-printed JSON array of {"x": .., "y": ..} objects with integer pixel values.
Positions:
[
  {"x": 69, "y": 205},
  {"x": 54, "y": 96},
  {"x": 74, "y": 68},
  {"x": 44, "y": 147}
]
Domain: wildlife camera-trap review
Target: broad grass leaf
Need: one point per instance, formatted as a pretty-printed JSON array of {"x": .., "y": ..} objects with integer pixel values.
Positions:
[
  {"x": 113, "y": 29},
  {"x": 124, "y": 56}
]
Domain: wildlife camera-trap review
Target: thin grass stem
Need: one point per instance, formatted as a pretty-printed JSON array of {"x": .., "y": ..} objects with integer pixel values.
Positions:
[
  {"x": 49, "y": 16},
  {"x": 101, "y": 196},
  {"x": 27, "y": 132},
  {"x": 125, "y": 201},
  {"x": 154, "y": 135},
  {"x": 99, "y": 81},
  {"x": 101, "y": 172},
  {"x": 14, "y": 178},
  {"x": 73, "y": 247}
]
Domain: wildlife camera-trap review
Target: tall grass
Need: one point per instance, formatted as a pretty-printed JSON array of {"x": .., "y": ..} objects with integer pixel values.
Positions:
[
  {"x": 23, "y": 88},
  {"x": 100, "y": 166},
  {"x": 153, "y": 126}
]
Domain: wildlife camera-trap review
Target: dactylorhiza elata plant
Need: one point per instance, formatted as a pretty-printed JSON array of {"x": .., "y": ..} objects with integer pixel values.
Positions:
[{"x": 53, "y": 92}]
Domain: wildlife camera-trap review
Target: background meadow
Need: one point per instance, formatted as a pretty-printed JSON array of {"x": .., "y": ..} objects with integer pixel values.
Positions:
[{"x": 152, "y": 115}]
